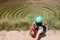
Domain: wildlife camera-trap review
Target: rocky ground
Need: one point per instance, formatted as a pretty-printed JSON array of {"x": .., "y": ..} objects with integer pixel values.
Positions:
[{"x": 24, "y": 35}]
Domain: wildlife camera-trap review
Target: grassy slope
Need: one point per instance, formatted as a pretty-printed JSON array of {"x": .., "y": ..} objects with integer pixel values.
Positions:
[{"x": 17, "y": 17}]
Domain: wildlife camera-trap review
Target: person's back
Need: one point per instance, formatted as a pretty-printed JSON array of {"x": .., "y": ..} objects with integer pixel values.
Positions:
[{"x": 37, "y": 28}]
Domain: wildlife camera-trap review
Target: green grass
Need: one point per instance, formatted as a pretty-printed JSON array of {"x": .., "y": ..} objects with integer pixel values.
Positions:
[{"x": 20, "y": 17}]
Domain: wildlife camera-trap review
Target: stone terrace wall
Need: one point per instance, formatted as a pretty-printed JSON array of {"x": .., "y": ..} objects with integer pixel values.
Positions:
[{"x": 31, "y": 2}]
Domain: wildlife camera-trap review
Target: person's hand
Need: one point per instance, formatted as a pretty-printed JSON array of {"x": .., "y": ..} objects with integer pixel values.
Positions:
[{"x": 39, "y": 32}]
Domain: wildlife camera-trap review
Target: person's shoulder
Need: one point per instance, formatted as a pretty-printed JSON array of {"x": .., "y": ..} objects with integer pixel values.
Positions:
[
  {"x": 43, "y": 26},
  {"x": 33, "y": 23}
]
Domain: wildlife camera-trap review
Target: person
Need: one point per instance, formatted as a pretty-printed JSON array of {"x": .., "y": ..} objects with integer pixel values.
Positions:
[{"x": 37, "y": 28}]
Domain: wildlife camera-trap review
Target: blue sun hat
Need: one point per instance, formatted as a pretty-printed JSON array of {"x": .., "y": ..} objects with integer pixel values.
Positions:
[{"x": 39, "y": 19}]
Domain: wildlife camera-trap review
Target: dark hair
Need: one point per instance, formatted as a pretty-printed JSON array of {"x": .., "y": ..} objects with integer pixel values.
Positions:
[{"x": 39, "y": 24}]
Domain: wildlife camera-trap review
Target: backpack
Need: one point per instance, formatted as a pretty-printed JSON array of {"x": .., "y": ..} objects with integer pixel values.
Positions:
[{"x": 33, "y": 32}]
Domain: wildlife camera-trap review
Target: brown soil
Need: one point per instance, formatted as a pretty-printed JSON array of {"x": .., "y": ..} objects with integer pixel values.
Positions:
[{"x": 24, "y": 35}]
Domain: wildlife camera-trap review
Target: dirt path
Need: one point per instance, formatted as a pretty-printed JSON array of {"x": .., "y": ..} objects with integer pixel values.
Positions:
[{"x": 24, "y": 35}]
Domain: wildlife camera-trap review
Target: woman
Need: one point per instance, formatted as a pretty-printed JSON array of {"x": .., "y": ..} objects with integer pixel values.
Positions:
[{"x": 37, "y": 28}]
